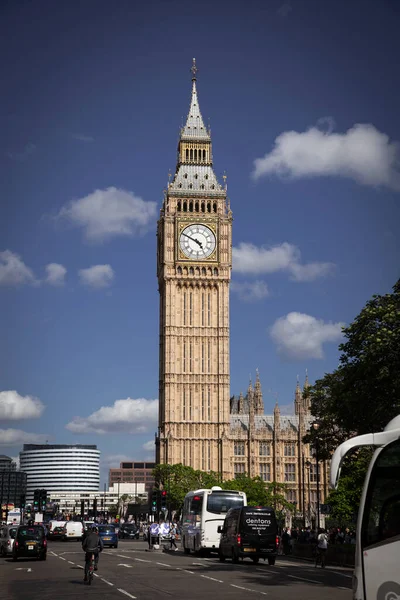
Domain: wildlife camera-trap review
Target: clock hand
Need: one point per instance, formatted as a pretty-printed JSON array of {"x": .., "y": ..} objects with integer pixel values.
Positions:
[{"x": 194, "y": 240}]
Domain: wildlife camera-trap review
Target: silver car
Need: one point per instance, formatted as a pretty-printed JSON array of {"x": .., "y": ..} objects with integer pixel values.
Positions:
[{"x": 7, "y": 536}]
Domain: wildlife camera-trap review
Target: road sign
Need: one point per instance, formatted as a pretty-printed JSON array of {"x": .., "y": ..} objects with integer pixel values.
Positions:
[{"x": 154, "y": 509}]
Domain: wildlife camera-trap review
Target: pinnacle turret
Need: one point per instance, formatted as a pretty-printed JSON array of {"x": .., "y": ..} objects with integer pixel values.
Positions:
[{"x": 194, "y": 174}]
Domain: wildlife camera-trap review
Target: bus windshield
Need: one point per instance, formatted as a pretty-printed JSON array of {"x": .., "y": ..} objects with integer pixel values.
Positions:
[
  {"x": 220, "y": 502},
  {"x": 381, "y": 519}
]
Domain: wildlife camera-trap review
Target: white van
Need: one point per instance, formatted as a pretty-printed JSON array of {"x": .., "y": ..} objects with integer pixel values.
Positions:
[
  {"x": 73, "y": 530},
  {"x": 52, "y": 524}
]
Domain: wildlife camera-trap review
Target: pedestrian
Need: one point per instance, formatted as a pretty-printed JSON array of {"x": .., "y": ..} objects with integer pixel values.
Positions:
[
  {"x": 172, "y": 536},
  {"x": 322, "y": 547}
]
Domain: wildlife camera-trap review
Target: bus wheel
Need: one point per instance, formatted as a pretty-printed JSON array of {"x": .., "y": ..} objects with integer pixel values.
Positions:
[
  {"x": 255, "y": 559},
  {"x": 271, "y": 561}
]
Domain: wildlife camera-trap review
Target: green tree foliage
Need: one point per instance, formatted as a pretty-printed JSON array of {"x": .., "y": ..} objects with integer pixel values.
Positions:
[
  {"x": 260, "y": 493},
  {"x": 178, "y": 480},
  {"x": 345, "y": 500},
  {"x": 361, "y": 396},
  {"x": 363, "y": 393}
]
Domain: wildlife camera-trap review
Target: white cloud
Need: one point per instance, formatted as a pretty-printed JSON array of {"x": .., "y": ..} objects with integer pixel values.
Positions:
[
  {"x": 14, "y": 407},
  {"x": 299, "y": 336},
  {"x": 26, "y": 151},
  {"x": 284, "y": 10},
  {"x": 128, "y": 416},
  {"x": 250, "y": 290},
  {"x": 253, "y": 260},
  {"x": 111, "y": 212},
  {"x": 362, "y": 153},
  {"x": 82, "y": 138},
  {"x": 112, "y": 461},
  {"x": 55, "y": 274},
  {"x": 98, "y": 276},
  {"x": 13, "y": 271},
  {"x": 149, "y": 446},
  {"x": 17, "y": 437}
]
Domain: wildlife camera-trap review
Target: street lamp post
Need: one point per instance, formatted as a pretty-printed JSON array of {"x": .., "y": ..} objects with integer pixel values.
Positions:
[
  {"x": 315, "y": 426},
  {"x": 303, "y": 500},
  {"x": 308, "y": 466}
]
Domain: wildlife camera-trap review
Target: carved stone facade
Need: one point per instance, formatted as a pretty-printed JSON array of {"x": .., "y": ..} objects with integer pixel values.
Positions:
[{"x": 199, "y": 424}]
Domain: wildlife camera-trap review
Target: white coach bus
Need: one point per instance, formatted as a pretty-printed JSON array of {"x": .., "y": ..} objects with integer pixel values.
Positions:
[
  {"x": 203, "y": 511},
  {"x": 377, "y": 563}
]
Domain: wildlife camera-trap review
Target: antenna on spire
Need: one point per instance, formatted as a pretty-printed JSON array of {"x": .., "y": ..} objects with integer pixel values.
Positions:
[
  {"x": 224, "y": 177},
  {"x": 194, "y": 70}
]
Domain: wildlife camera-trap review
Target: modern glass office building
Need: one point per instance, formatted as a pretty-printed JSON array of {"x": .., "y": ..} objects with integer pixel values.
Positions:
[{"x": 72, "y": 468}]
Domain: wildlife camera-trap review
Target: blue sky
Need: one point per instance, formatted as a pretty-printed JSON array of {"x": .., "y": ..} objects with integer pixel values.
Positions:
[{"x": 303, "y": 106}]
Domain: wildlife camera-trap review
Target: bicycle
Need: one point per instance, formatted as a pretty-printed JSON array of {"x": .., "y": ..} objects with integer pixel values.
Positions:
[{"x": 90, "y": 570}]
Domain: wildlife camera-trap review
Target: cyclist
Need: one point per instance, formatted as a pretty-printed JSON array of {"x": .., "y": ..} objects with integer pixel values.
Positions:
[{"x": 92, "y": 544}]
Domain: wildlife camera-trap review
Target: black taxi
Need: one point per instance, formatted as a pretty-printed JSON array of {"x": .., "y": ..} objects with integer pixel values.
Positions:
[{"x": 30, "y": 541}]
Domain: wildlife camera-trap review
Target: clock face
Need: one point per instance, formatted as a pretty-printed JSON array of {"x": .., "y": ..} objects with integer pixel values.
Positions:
[{"x": 197, "y": 241}]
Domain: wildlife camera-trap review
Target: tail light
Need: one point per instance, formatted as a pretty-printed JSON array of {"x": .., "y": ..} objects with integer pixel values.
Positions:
[
  {"x": 239, "y": 539},
  {"x": 277, "y": 540},
  {"x": 16, "y": 543},
  {"x": 9, "y": 543},
  {"x": 45, "y": 543}
]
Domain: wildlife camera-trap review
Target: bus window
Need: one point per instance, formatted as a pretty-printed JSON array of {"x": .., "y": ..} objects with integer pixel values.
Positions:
[
  {"x": 381, "y": 520},
  {"x": 196, "y": 506},
  {"x": 218, "y": 503}
]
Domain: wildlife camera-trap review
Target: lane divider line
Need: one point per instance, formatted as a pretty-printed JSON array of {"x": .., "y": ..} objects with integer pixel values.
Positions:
[
  {"x": 126, "y": 593},
  {"x": 163, "y": 564},
  {"x": 105, "y": 581},
  {"x": 212, "y": 578},
  {"x": 140, "y": 559},
  {"x": 70, "y": 562},
  {"x": 186, "y": 571},
  {"x": 62, "y": 558}
]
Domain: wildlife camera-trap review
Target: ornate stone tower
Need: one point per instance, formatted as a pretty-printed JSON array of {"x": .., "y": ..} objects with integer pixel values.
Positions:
[{"x": 194, "y": 258}]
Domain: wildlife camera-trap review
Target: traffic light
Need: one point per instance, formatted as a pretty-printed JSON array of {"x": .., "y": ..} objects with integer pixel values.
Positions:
[
  {"x": 154, "y": 500},
  {"x": 43, "y": 500},
  {"x": 164, "y": 498},
  {"x": 22, "y": 502},
  {"x": 36, "y": 500}
]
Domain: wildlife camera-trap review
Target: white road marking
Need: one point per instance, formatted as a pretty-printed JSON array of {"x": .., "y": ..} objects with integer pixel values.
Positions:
[
  {"x": 24, "y": 569},
  {"x": 339, "y": 573},
  {"x": 343, "y": 588},
  {"x": 212, "y": 578},
  {"x": 140, "y": 559},
  {"x": 163, "y": 564},
  {"x": 105, "y": 581},
  {"x": 123, "y": 565},
  {"x": 80, "y": 567},
  {"x": 248, "y": 589},
  {"x": 120, "y": 555},
  {"x": 62, "y": 558},
  {"x": 126, "y": 593},
  {"x": 239, "y": 587},
  {"x": 53, "y": 553},
  {"x": 70, "y": 562},
  {"x": 304, "y": 579},
  {"x": 186, "y": 571},
  {"x": 198, "y": 564}
]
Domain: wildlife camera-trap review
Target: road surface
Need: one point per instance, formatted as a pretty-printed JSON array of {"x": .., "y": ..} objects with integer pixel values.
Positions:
[{"x": 130, "y": 571}]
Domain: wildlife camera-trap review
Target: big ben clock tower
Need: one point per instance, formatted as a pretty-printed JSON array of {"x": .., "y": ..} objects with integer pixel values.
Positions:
[{"x": 194, "y": 255}]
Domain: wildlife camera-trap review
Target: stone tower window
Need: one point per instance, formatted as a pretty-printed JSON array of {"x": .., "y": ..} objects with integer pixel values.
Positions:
[
  {"x": 203, "y": 206},
  {"x": 185, "y": 207},
  {"x": 179, "y": 270},
  {"x": 206, "y": 176},
  {"x": 265, "y": 471},
  {"x": 214, "y": 207},
  {"x": 185, "y": 175},
  {"x": 196, "y": 176},
  {"x": 196, "y": 207},
  {"x": 265, "y": 449},
  {"x": 179, "y": 206},
  {"x": 202, "y": 186},
  {"x": 239, "y": 449}
]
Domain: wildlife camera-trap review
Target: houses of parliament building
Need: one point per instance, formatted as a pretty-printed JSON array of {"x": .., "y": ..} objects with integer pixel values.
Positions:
[{"x": 200, "y": 424}]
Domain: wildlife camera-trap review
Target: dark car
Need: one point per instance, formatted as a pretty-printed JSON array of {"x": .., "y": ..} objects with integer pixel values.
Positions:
[
  {"x": 109, "y": 535},
  {"x": 249, "y": 532},
  {"x": 57, "y": 533},
  {"x": 129, "y": 530},
  {"x": 30, "y": 541}
]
